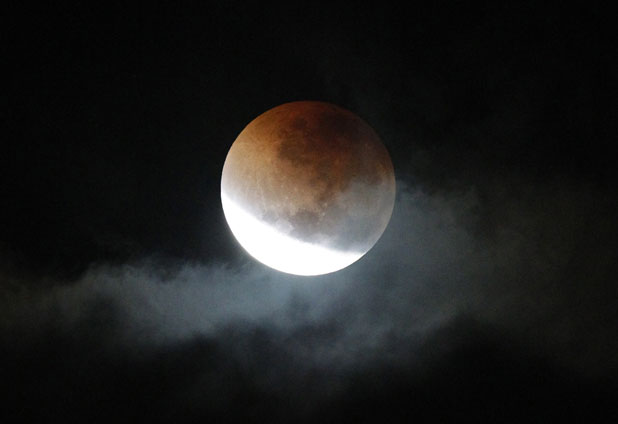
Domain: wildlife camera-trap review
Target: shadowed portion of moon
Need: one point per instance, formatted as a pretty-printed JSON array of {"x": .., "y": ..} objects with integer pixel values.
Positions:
[{"x": 314, "y": 172}]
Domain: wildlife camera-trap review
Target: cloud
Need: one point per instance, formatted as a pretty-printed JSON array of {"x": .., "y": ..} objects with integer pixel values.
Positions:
[
  {"x": 432, "y": 264},
  {"x": 530, "y": 270}
]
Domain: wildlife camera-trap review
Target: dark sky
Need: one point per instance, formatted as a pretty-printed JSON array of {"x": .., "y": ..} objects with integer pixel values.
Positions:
[{"x": 491, "y": 296}]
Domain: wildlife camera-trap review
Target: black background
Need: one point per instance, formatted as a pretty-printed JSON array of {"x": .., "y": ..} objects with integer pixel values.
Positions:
[{"x": 116, "y": 125}]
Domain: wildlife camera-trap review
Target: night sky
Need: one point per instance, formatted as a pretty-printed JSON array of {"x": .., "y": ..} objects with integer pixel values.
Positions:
[{"x": 491, "y": 296}]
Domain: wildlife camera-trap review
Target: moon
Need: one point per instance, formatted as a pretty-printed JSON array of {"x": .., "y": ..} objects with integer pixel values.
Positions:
[{"x": 307, "y": 188}]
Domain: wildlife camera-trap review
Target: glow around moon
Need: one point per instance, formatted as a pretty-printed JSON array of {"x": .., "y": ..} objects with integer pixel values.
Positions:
[{"x": 307, "y": 188}]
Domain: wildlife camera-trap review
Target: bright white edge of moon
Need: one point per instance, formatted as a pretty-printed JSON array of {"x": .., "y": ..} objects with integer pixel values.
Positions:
[{"x": 280, "y": 251}]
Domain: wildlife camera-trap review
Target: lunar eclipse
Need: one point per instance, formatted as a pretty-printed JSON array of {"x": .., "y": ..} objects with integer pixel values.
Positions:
[
  {"x": 200, "y": 225},
  {"x": 308, "y": 188}
]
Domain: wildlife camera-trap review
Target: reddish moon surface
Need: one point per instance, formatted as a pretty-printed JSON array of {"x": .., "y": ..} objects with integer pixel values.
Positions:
[{"x": 308, "y": 187}]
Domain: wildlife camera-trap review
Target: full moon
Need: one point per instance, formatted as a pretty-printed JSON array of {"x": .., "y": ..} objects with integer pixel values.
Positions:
[{"x": 307, "y": 188}]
